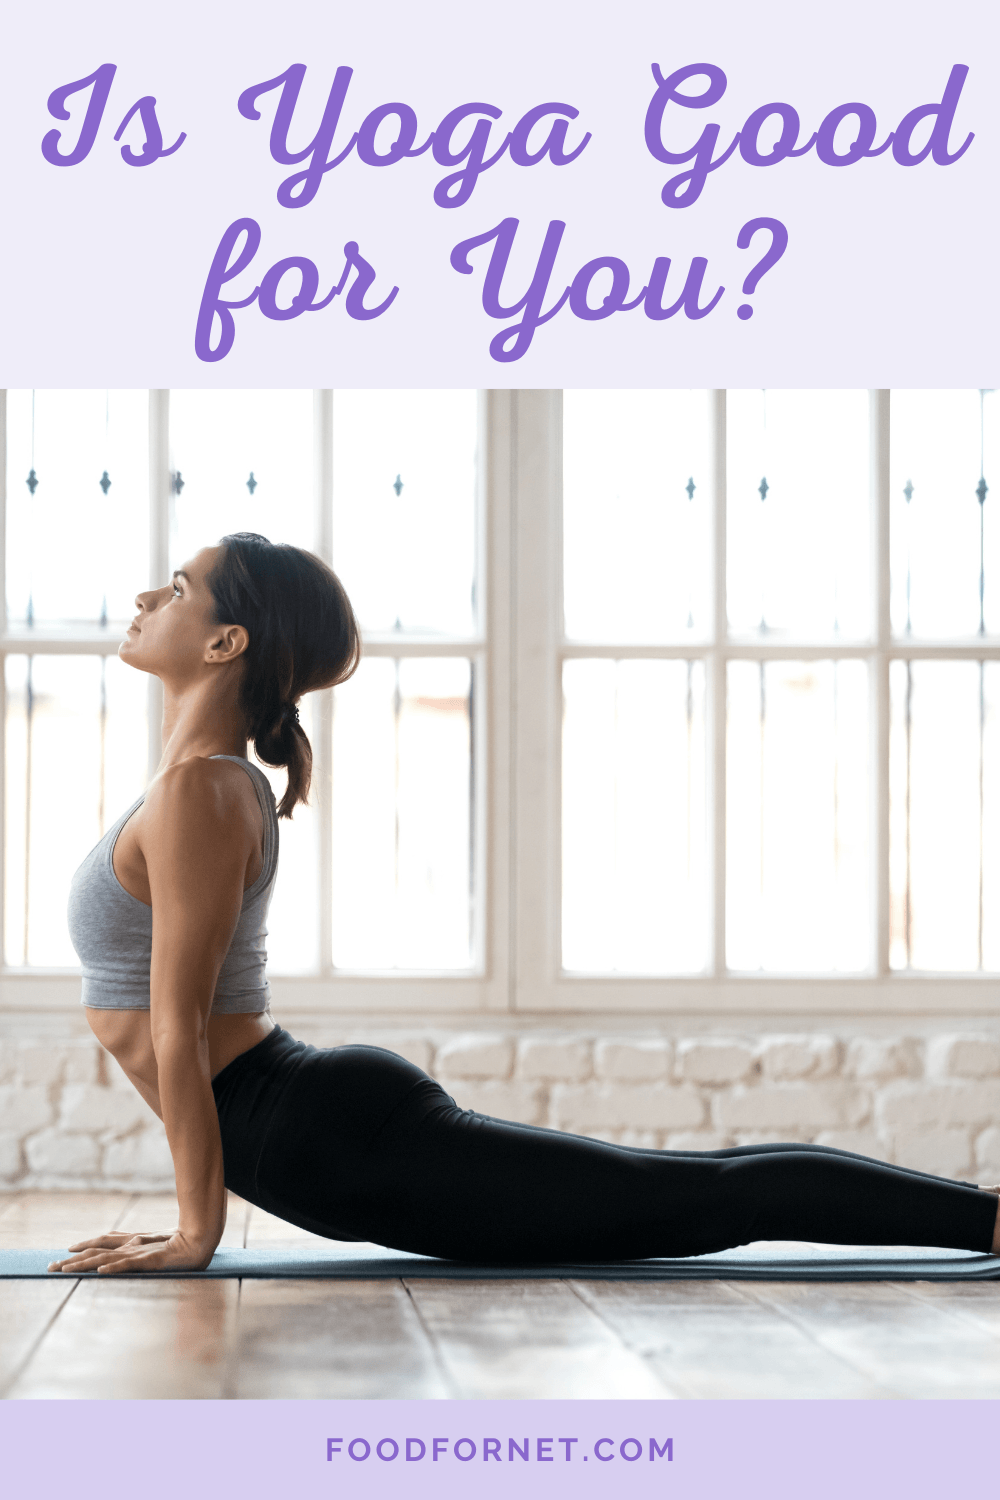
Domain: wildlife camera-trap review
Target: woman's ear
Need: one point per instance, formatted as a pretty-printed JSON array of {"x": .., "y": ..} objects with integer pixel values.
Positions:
[{"x": 229, "y": 644}]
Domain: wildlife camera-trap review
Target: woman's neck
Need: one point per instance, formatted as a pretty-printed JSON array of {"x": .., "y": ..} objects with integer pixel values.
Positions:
[{"x": 200, "y": 721}]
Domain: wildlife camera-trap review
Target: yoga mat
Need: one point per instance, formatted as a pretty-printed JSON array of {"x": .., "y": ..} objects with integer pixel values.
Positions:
[{"x": 337, "y": 1260}]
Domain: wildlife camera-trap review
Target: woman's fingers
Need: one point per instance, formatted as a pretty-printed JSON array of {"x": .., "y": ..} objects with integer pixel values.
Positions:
[
  {"x": 90, "y": 1260},
  {"x": 86, "y": 1262},
  {"x": 115, "y": 1238},
  {"x": 92, "y": 1254},
  {"x": 143, "y": 1253}
]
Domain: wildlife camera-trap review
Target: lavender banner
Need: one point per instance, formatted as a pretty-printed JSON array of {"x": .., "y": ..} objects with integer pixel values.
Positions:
[
  {"x": 525, "y": 194},
  {"x": 607, "y": 1450}
]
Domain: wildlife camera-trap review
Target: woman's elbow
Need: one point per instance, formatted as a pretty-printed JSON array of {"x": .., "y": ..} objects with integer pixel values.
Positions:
[{"x": 180, "y": 1042}]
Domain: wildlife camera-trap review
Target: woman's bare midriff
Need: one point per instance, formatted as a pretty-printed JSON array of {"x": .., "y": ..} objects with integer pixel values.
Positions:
[{"x": 126, "y": 1035}]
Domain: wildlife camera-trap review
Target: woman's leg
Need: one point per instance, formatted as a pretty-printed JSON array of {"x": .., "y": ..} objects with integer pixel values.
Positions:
[
  {"x": 465, "y": 1186},
  {"x": 364, "y": 1145},
  {"x": 725, "y": 1152}
]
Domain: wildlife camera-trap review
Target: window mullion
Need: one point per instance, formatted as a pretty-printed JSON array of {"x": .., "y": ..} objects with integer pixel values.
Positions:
[
  {"x": 537, "y": 697},
  {"x": 492, "y": 722},
  {"x": 716, "y": 737},
  {"x": 879, "y": 683}
]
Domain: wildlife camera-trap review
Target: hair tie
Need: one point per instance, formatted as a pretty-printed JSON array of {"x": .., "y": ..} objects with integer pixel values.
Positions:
[{"x": 290, "y": 711}]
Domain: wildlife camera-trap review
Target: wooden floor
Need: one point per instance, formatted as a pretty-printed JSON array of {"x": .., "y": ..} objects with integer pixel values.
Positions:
[{"x": 485, "y": 1339}]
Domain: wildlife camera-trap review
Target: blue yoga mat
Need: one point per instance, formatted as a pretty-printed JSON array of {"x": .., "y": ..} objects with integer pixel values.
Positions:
[{"x": 336, "y": 1260}]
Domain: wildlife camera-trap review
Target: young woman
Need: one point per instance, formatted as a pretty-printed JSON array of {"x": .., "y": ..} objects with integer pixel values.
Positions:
[{"x": 168, "y": 916}]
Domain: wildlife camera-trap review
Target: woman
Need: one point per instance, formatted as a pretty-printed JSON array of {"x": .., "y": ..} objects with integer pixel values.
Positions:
[{"x": 167, "y": 914}]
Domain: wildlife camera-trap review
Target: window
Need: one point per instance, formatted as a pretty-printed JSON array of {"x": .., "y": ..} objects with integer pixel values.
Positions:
[
  {"x": 669, "y": 698},
  {"x": 382, "y": 874}
]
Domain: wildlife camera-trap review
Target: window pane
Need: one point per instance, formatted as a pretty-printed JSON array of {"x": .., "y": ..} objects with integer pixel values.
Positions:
[
  {"x": 76, "y": 748},
  {"x": 797, "y": 840},
  {"x": 945, "y": 815},
  {"x": 402, "y": 844},
  {"x": 293, "y": 916},
  {"x": 633, "y": 817},
  {"x": 942, "y": 444},
  {"x": 636, "y": 515},
  {"x": 798, "y": 557},
  {"x": 77, "y": 548},
  {"x": 404, "y": 503},
  {"x": 244, "y": 461}
]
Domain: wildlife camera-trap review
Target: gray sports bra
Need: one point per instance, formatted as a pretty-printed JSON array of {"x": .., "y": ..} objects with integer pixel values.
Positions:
[{"x": 112, "y": 931}]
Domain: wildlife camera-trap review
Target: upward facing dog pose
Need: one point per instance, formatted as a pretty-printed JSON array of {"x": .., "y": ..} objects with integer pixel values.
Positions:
[{"x": 167, "y": 914}]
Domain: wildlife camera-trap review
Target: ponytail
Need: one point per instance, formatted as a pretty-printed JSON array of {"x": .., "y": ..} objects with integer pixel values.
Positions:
[{"x": 303, "y": 637}]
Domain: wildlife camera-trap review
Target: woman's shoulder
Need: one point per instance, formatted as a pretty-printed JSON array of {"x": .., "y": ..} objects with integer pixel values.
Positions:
[{"x": 208, "y": 790}]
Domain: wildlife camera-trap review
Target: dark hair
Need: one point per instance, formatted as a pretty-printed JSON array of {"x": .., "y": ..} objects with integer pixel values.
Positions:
[{"x": 303, "y": 636}]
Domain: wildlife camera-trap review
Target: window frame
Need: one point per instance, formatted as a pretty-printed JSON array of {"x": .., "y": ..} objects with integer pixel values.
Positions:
[
  {"x": 517, "y": 656},
  {"x": 483, "y": 985},
  {"x": 540, "y": 984}
]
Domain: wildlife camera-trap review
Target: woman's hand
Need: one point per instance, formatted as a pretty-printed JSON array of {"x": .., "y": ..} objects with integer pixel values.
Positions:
[{"x": 118, "y": 1251}]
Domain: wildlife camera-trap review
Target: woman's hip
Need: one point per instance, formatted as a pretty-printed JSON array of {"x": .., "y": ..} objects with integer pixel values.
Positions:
[{"x": 298, "y": 1123}]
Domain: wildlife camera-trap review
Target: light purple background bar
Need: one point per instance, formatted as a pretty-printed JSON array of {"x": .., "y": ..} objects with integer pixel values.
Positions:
[
  {"x": 722, "y": 1449},
  {"x": 888, "y": 279}
]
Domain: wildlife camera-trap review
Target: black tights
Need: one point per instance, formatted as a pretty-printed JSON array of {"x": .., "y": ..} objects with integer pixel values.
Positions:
[{"x": 357, "y": 1143}]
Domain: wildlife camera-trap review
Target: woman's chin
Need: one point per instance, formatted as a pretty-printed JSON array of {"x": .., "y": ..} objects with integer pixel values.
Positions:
[{"x": 128, "y": 652}]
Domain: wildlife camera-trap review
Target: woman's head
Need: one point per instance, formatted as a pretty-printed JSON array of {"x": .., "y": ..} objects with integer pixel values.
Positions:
[
  {"x": 273, "y": 619},
  {"x": 302, "y": 635}
]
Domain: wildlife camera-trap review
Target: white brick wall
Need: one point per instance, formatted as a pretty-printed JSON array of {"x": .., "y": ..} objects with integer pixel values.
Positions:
[
  {"x": 69, "y": 1118},
  {"x": 627, "y": 1061},
  {"x": 715, "y": 1060}
]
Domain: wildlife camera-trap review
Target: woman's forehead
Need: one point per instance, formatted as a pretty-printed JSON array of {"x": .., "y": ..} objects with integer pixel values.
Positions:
[{"x": 202, "y": 563}]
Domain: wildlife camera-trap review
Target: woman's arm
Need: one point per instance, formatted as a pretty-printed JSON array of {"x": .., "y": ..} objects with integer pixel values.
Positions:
[{"x": 197, "y": 843}]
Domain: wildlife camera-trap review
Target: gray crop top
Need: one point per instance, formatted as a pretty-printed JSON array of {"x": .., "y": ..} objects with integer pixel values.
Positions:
[{"x": 112, "y": 931}]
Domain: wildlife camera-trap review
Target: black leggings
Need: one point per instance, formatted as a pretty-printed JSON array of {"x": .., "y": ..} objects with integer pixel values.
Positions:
[{"x": 356, "y": 1143}]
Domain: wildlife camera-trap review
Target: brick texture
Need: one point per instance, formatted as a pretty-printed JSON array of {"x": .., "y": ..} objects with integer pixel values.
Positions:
[
  {"x": 797, "y": 1107},
  {"x": 963, "y": 1057},
  {"x": 567, "y": 1059},
  {"x": 632, "y": 1061},
  {"x": 476, "y": 1057},
  {"x": 713, "y": 1060},
  {"x": 791, "y": 1057}
]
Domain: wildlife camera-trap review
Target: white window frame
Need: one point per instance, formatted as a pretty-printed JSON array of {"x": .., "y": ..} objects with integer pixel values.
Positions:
[
  {"x": 518, "y": 659},
  {"x": 481, "y": 987},
  {"x": 540, "y": 984}
]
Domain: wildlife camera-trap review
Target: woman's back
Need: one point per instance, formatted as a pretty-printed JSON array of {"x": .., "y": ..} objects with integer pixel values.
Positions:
[{"x": 111, "y": 926}]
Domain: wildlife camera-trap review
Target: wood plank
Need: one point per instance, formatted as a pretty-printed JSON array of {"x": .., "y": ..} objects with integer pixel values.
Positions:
[
  {"x": 333, "y": 1339},
  {"x": 26, "y": 1310},
  {"x": 118, "y": 1339},
  {"x": 706, "y": 1340},
  {"x": 47, "y": 1221},
  {"x": 916, "y": 1347},
  {"x": 528, "y": 1339},
  {"x": 977, "y": 1302}
]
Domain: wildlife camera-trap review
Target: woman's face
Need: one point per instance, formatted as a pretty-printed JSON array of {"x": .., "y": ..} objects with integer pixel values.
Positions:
[{"x": 175, "y": 633}]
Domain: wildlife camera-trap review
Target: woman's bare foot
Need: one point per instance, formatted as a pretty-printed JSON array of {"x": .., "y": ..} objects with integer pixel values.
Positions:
[{"x": 995, "y": 1247}]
